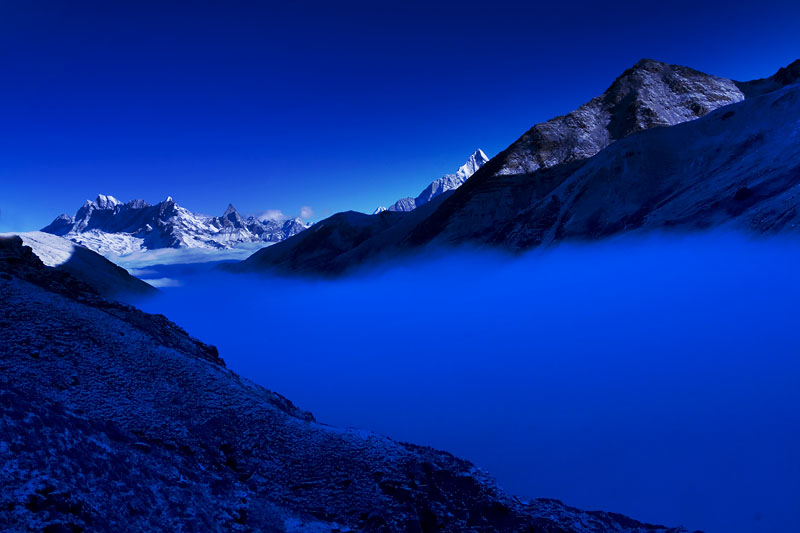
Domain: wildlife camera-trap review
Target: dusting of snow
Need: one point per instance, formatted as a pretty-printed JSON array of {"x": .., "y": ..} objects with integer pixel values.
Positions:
[{"x": 51, "y": 249}]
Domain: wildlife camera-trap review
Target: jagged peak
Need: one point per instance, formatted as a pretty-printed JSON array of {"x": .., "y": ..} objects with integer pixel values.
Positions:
[
  {"x": 473, "y": 163},
  {"x": 230, "y": 210},
  {"x": 104, "y": 201},
  {"x": 165, "y": 224},
  {"x": 137, "y": 204}
]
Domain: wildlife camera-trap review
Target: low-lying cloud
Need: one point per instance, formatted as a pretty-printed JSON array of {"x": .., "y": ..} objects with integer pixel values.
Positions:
[
  {"x": 272, "y": 214},
  {"x": 659, "y": 378}
]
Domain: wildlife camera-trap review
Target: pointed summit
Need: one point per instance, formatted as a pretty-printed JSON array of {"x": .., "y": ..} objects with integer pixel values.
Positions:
[
  {"x": 443, "y": 184},
  {"x": 232, "y": 219},
  {"x": 475, "y": 161}
]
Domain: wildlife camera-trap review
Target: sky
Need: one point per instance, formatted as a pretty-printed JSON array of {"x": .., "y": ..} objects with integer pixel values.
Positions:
[{"x": 327, "y": 107}]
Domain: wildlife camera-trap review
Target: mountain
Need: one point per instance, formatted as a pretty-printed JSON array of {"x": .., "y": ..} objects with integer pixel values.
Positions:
[
  {"x": 665, "y": 148},
  {"x": 103, "y": 276},
  {"x": 650, "y": 94},
  {"x": 446, "y": 183},
  {"x": 117, "y": 420},
  {"x": 109, "y": 226}
]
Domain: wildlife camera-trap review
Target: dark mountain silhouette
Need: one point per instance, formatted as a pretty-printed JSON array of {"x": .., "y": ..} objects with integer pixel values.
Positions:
[{"x": 664, "y": 148}]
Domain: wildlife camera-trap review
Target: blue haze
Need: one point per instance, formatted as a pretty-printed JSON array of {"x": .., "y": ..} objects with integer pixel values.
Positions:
[{"x": 658, "y": 378}]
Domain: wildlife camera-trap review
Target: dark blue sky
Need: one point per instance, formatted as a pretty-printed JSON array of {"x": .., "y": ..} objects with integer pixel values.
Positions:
[{"x": 337, "y": 106}]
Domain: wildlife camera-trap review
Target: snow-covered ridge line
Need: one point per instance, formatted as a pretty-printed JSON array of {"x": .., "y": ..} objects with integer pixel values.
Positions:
[
  {"x": 111, "y": 227},
  {"x": 446, "y": 183}
]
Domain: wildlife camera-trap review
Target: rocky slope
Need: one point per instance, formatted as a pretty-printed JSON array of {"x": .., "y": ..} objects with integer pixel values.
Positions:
[
  {"x": 91, "y": 268},
  {"x": 440, "y": 186},
  {"x": 650, "y": 94},
  {"x": 109, "y": 226},
  {"x": 116, "y": 420},
  {"x": 635, "y": 159}
]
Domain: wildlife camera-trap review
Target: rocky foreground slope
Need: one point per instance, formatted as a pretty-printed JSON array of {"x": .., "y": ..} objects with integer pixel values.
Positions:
[
  {"x": 115, "y": 420},
  {"x": 664, "y": 148}
]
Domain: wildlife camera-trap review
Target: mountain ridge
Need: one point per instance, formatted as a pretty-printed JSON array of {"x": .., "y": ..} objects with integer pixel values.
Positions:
[
  {"x": 510, "y": 201},
  {"x": 448, "y": 182},
  {"x": 109, "y": 226}
]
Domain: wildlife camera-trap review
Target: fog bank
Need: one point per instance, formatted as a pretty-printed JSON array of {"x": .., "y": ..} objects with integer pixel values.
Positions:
[{"x": 658, "y": 378}]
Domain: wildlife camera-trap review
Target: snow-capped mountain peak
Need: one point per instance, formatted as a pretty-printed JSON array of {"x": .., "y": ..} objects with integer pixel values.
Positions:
[
  {"x": 106, "y": 202},
  {"x": 109, "y": 226},
  {"x": 443, "y": 184},
  {"x": 475, "y": 161}
]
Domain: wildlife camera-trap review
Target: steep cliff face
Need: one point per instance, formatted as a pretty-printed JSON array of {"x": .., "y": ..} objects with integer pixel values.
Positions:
[{"x": 113, "y": 419}]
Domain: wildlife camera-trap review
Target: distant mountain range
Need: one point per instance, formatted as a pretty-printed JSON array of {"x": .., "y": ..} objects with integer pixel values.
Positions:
[
  {"x": 665, "y": 148},
  {"x": 109, "y": 226},
  {"x": 440, "y": 186}
]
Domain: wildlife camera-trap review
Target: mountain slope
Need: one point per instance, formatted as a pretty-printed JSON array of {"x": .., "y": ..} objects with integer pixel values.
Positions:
[
  {"x": 116, "y": 420},
  {"x": 440, "y": 186},
  {"x": 91, "y": 268},
  {"x": 738, "y": 167},
  {"x": 650, "y": 94},
  {"x": 734, "y": 167},
  {"x": 109, "y": 226}
]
